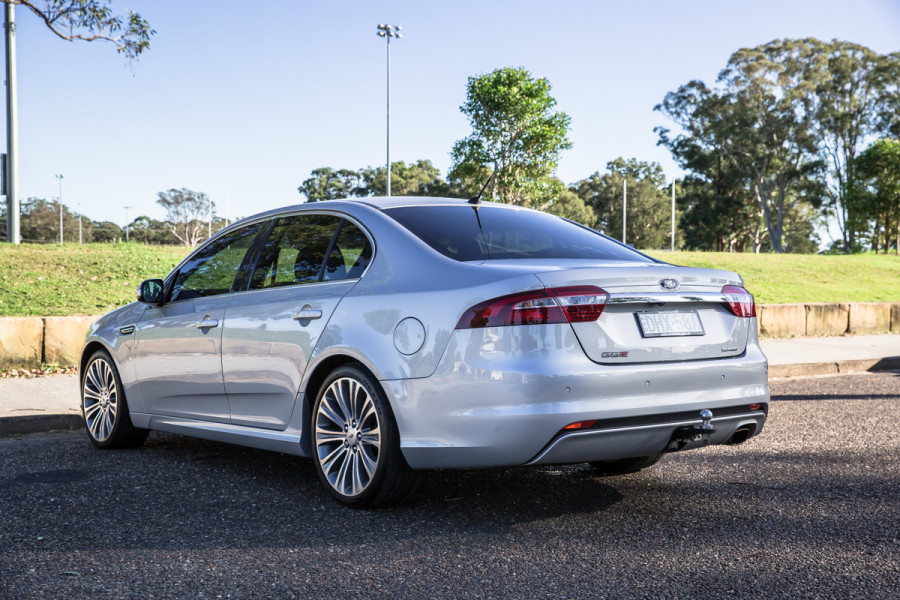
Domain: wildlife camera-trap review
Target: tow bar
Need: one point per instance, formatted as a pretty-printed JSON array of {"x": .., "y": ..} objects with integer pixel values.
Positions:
[{"x": 695, "y": 433}]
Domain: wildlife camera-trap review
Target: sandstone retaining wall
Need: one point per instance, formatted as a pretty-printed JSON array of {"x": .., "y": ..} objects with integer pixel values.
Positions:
[{"x": 26, "y": 342}]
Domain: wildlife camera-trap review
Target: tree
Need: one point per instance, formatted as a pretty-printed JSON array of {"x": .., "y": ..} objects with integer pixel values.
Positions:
[
  {"x": 849, "y": 87},
  {"x": 419, "y": 179},
  {"x": 569, "y": 205},
  {"x": 186, "y": 212},
  {"x": 760, "y": 121},
  {"x": 719, "y": 212},
  {"x": 878, "y": 167},
  {"x": 92, "y": 20},
  {"x": 515, "y": 133},
  {"x": 327, "y": 184},
  {"x": 648, "y": 219},
  {"x": 150, "y": 231}
]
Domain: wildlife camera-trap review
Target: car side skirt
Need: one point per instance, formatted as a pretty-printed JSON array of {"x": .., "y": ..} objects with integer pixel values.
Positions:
[{"x": 287, "y": 441}]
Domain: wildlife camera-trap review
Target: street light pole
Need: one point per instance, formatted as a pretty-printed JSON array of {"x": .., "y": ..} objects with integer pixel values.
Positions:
[
  {"x": 624, "y": 207},
  {"x": 673, "y": 215},
  {"x": 12, "y": 131},
  {"x": 126, "y": 222},
  {"x": 387, "y": 32},
  {"x": 60, "y": 177}
]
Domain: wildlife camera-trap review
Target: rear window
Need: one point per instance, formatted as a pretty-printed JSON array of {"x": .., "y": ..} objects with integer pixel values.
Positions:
[{"x": 496, "y": 233}]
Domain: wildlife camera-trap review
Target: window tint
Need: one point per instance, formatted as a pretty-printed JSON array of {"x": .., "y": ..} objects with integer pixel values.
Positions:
[
  {"x": 351, "y": 254},
  {"x": 495, "y": 233},
  {"x": 295, "y": 251},
  {"x": 211, "y": 271}
]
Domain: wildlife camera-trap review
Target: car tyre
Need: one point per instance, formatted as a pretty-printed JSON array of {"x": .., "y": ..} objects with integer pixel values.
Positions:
[
  {"x": 104, "y": 406},
  {"x": 356, "y": 444},
  {"x": 624, "y": 466}
]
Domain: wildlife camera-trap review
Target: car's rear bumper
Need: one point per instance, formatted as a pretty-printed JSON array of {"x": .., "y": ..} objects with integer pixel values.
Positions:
[{"x": 502, "y": 396}]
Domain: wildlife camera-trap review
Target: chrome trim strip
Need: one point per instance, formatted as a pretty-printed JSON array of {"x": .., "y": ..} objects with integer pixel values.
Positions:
[{"x": 666, "y": 297}]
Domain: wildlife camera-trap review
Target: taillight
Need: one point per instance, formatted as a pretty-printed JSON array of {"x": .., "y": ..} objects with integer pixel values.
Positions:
[
  {"x": 577, "y": 304},
  {"x": 740, "y": 301}
]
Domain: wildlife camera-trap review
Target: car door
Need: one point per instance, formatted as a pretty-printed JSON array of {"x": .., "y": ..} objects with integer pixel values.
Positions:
[
  {"x": 178, "y": 345},
  {"x": 306, "y": 265}
]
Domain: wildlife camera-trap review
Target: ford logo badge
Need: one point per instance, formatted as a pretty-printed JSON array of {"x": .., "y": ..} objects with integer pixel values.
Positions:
[{"x": 668, "y": 284}]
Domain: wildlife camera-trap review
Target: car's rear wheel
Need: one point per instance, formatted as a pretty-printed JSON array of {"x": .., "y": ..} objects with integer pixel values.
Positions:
[
  {"x": 624, "y": 466},
  {"x": 104, "y": 406},
  {"x": 356, "y": 443}
]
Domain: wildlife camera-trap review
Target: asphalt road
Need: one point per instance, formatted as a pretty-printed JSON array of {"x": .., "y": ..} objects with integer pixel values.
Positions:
[{"x": 809, "y": 509}]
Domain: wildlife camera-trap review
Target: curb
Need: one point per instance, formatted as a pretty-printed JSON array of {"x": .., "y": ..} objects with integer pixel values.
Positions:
[
  {"x": 39, "y": 423},
  {"x": 889, "y": 363}
]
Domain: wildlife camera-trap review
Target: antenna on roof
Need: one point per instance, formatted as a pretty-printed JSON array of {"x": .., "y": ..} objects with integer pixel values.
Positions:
[{"x": 477, "y": 199}]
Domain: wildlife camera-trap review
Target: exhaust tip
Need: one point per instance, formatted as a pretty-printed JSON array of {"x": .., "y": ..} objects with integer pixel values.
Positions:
[{"x": 741, "y": 435}]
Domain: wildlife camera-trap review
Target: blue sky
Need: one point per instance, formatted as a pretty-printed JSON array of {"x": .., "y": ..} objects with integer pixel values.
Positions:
[{"x": 245, "y": 99}]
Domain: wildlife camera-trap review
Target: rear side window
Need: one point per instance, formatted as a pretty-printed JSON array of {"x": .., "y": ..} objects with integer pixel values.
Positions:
[
  {"x": 496, "y": 233},
  {"x": 295, "y": 252}
]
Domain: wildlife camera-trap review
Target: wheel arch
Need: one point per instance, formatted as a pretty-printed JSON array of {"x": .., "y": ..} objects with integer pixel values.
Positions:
[
  {"x": 88, "y": 351},
  {"x": 317, "y": 376}
]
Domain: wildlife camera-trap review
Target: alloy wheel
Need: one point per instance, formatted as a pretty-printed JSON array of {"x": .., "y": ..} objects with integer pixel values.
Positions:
[
  {"x": 348, "y": 436},
  {"x": 100, "y": 399}
]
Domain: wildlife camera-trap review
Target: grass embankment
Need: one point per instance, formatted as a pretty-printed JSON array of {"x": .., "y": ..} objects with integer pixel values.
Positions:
[
  {"x": 72, "y": 279},
  {"x": 786, "y": 278},
  {"x": 47, "y": 280}
]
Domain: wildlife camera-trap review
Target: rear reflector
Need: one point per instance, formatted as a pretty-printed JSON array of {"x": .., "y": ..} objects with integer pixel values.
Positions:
[
  {"x": 581, "y": 425},
  {"x": 755, "y": 406},
  {"x": 578, "y": 304},
  {"x": 740, "y": 301}
]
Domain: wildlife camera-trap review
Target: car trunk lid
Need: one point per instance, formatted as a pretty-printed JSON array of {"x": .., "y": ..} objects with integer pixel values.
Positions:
[{"x": 657, "y": 313}]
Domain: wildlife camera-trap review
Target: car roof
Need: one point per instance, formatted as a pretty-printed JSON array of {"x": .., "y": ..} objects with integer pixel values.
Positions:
[{"x": 378, "y": 203}]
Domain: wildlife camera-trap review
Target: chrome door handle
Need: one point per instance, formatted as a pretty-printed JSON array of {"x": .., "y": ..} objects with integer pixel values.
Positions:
[
  {"x": 306, "y": 314},
  {"x": 207, "y": 323}
]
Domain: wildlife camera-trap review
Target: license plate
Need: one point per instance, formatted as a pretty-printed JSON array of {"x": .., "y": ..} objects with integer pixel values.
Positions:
[{"x": 669, "y": 324}]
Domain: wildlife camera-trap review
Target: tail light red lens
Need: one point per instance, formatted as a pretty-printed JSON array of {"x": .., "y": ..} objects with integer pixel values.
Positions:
[
  {"x": 740, "y": 301},
  {"x": 577, "y": 304}
]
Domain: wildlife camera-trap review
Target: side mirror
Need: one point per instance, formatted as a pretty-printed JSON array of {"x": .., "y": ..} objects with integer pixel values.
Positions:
[{"x": 150, "y": 291}]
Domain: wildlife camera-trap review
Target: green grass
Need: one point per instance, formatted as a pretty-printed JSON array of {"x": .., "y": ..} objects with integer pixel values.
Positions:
[
  {"x": 786, "y": 278},
  {"x": 50, "y": 280},
  {"x": 72, "y": 279}
]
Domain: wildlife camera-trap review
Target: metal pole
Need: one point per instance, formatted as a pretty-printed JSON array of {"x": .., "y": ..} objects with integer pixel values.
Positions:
[
  {"x": 80, "y": 238},
  {"x": 12, "y": 131},
  {"x": 127, "y": 227},
  {"x": 624, "y": 207},
  {"x": 60, "y": 177},
  {"x": 388, "y": 37},
  {"x": 209, "y": 220},
  {"x": 673, "y": 215},
  {"x": 388, "y": 31}
]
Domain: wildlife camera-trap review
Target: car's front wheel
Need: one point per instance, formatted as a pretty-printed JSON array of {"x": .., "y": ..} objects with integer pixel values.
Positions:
[
  {"x": 104, "y": 406},
  {"x": 356, "y": 443}
]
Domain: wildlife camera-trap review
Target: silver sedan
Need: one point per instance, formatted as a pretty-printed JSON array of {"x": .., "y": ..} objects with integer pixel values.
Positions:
[{"x": 384, "y": 337}]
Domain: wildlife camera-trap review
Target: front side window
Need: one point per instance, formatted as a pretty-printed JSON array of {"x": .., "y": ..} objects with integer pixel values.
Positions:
[{"x": 211, "y": 271}]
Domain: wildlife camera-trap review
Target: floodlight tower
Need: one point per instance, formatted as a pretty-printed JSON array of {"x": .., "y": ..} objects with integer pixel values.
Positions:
[
  {"x": 387, "y": 32},
  {"x": 60, "y": 177}
]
